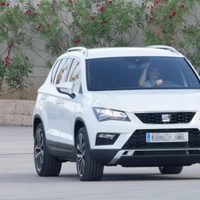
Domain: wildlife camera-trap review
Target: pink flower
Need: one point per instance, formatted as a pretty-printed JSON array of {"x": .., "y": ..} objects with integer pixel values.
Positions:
[
  {"x": 7, "y": 61},
  {"x": 3, "y": 4},
  {"x": 28, "y": 12},
  {"x": 172, "y": 14},
  {"x": 102, "y": 8}
]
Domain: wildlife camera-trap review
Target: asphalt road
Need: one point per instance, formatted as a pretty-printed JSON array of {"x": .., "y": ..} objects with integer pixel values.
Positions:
[{"x": 18, "y": 179}]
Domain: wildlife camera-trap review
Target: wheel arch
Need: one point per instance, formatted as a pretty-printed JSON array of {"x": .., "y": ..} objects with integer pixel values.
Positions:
[
  {"x": 36, "y": 121},
  {"x": 79, "y": 123}
]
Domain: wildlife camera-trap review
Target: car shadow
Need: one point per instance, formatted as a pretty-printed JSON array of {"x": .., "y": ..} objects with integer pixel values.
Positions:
[
  {"x": 136, "y": 177},
  {"x": 108, "y": 177},
  {"x": 146, "y": 177}
]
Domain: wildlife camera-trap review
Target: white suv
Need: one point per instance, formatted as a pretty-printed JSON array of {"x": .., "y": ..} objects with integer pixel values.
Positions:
[{"x": 118, "y": 106}]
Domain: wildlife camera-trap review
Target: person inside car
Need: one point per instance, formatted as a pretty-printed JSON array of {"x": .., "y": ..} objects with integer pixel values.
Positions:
[{"x": 151, "y": 77}]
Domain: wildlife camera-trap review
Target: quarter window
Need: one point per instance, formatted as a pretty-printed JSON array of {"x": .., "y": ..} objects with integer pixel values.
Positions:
[
  {"x": 63, "y": 70},
  {"x": 60, "y": 71},
  {"x": 74, "y": 75},
  {"x": 66, "y": 70},
  {"x": 54, "y": 70}
]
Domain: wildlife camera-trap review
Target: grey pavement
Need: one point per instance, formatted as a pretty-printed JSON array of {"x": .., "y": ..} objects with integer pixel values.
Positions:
[{"x": 19, "y": 181}]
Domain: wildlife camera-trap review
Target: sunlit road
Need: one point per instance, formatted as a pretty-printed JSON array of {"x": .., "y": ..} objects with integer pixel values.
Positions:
[{"x": 18, "y": 179}]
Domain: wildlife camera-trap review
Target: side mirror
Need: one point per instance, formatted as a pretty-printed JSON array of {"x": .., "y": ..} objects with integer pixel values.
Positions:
[{"x": 66, "y": 88}]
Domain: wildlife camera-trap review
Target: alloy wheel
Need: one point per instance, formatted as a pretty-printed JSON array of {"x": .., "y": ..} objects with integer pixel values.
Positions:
[
  {"x": 39, "y": 149},
  {"x": 80, "y": 147}
]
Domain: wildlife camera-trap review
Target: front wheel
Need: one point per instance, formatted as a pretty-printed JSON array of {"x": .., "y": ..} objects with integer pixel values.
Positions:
[
  {"x": 171, "y": 169},
  {"x": 88, "y": 168}
]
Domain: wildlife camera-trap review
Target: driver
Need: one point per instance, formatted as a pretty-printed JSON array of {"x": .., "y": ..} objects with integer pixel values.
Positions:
[{"x": 153, "y": 77}]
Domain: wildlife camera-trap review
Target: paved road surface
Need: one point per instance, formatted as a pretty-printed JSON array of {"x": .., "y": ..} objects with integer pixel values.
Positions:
[{"x": 19, "y": 181}]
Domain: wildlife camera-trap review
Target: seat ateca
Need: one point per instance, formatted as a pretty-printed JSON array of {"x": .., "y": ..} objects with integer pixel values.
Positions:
[{"x": 133, "y": 107}]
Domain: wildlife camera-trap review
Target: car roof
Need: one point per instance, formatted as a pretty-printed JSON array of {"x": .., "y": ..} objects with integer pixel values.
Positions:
[
  {"x": 129, "y": 51},
  {"x": 122, "y": 52}
]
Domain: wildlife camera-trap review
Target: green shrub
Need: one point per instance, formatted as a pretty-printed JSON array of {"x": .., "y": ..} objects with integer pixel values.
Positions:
[{"x": 91, "y": 23}]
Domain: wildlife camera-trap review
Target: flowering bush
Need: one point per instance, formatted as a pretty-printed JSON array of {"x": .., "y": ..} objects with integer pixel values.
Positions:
[
  {"x": 192, "y": 41},
  {"x": 75, "y": 22},
  {"x": 108, "y": 23},
  {"x": 60, "y": 24},
  {"x": 169, "y": 23},
  {"x": 191, "y": 33},
  {"x": 14, "y": 37}
]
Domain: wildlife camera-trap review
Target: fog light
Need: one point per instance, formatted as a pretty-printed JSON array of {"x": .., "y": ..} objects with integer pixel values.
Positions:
[{"x": 106, "y": 138}]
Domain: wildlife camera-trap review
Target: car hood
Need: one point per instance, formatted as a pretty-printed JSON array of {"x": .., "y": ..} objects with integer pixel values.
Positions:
[{"x": 148, "y": 100}]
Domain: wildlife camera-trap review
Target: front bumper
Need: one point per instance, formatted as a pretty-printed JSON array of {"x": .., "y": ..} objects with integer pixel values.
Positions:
[
  {"x": 139, "y": 153},
  {"x": 131, "y": 148},
  {"x": 148, "y": 157}
]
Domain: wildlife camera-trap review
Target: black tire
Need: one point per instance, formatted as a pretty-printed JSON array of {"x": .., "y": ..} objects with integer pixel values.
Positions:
[
  {"x": 171, "y": 169},
  {"x": 45, "y": 164},
  {"x": 88, "y": 168}
]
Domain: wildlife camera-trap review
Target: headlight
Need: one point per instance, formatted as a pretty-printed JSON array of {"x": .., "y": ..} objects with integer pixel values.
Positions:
[{"x": 104, "y": 114}]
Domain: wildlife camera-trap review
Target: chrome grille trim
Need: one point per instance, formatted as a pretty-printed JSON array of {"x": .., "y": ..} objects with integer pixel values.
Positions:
[{"x": 160, "y": 118}]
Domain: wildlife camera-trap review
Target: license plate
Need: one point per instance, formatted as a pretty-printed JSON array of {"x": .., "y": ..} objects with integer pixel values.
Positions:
[{"x": 166, "y": 137}]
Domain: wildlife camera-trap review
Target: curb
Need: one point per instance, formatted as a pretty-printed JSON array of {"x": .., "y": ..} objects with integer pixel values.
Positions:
[{"x": 16, "y": 112}]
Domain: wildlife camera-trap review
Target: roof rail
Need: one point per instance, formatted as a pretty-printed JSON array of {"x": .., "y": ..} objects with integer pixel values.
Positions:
[
  {"x": 82, "y": 49},
  {"x": 164, "y": 47}
]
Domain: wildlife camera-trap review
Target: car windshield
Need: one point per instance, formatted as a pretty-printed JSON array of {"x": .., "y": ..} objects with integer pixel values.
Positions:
[{"x": 127, "y": 73}]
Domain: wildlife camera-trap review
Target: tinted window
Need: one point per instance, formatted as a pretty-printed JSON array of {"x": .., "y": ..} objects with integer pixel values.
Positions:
[
  {"x": 63, "y": 70},
  {"x": 140, "y": 73},
  {"x": 74, "y": 75},
  {"x": 60, "y": 71},
  {"x": 66, "y": 67},
  {"x": 54, "y": 70}
]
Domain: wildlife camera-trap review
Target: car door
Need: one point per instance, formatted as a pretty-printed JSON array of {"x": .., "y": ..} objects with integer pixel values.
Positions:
[
  {"x": 55, "y": 103},
  {"x": 47, "y": 97},
  {"x": 67, "y": 106}
]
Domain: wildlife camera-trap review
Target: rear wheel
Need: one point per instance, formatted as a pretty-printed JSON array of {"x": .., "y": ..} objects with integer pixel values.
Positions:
[
  {"x": 171, "y": 169},
  {"x": 88, "y": 168},
  {"x": 45, "y": 164}
]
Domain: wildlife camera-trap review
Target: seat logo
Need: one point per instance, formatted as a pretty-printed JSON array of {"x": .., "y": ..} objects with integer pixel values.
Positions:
[{"x": 166, "y": 118}]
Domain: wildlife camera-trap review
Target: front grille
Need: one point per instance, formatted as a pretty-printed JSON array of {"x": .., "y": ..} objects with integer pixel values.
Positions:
[
  {"x": 165, "y": 118},
  {"x": 138, "y": 140}
]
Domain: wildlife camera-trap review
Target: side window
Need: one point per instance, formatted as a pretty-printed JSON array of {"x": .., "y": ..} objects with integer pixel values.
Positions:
[
  {"x": 54, "y": 70},
  {"x": 66, "y": 70},
  {"x": 74, "y": 75},
  {"x": 60, "y": 71}
]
